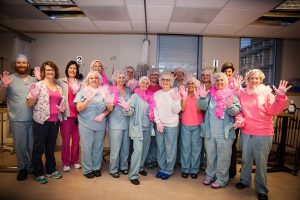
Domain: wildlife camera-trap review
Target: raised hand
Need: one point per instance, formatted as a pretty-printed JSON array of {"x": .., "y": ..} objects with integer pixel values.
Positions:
[
  {"x": 99, "y": 118},
  {"x": 183, "y": 91},
  {"x": 62, "y": 106},
  {"x": 89, "y": 93},
  {"x": 237, "y": 82},
  {"x": 202, "y": 91},
  {"x": 123, "y": 103},
  {"x": 229, "y": 101},
  {"x": 5, "y": 80},
  {"x": 282, "y": 88},
  {"x": 37, "y": 73},
  {"x": 175, "y": 94},
  {"x": 34, "y": 91},
  {"x": 160, "y": 127},
  {"x": 74, "y": 85}
]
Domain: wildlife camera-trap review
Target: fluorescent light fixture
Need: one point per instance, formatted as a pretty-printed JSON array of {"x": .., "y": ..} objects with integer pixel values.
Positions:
[
  {"x": 292, "y": 5},
  {"x": 50, "y": 2}
]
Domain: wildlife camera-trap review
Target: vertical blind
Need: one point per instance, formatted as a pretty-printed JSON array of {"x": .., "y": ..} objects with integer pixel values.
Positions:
[{"x": 178, "y": 51}]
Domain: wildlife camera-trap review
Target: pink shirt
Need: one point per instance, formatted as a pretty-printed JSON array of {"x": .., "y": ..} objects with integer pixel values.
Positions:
[
  {"x": 191, "y": 116},
  {"x": 54, "y": 99},
  {"x": 153, "y": 89},
  {"x": 71, "y": 97},
  {"x": 258, "y": 119}
]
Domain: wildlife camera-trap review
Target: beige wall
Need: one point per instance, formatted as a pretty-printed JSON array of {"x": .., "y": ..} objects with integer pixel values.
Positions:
[{"x": 222, "y": 49}]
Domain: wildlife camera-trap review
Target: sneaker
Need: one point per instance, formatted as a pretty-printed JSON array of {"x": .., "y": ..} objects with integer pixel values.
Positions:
[
  {"x": 77, "y": 166},
  {"x": 124, "y": 172},
  {"x": 22, "y": 175},
  {"x": 184, "y": 175},
  {"x": 262, "y": 196},
  {"x": 89, "y": 175},
  {"x": 143, "y": 173},
  {"x": 158, "y": 174},
  {"x": 165, "y": 176},
  {"x": 115, "y": 175},
  {"x": 56, "y": 175},
  {"x": 97, "y": 173},
  {"x": 66, "y": 168},
  {"x": 194, "y": 175},
  {"x": 41, "y": 180},
  {"x": 240, "y": 185},
  {"x": 135, "y": 181},
  {"x": 207, "y": 181},
  {"x": 216, "y": 185}
]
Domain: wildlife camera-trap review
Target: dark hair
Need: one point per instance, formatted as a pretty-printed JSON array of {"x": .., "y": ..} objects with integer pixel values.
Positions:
[
  {"x": 227, "y": 65},
  {"x": 52, "y": 65},
  {"x": 72, "y": 62}
]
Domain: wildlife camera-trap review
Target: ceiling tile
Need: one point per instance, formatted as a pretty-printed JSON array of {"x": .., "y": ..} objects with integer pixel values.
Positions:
[
  {"x": 136, "y": 13},
  {"x": 77, "y": 25},
  {"x": 237, "y": 16},
  {"x": 222, "y": 29},
  {"x": 13, "y": 24},
  {"x": 99, "y": 2},
  {"x": 258, "y": 31},
  {"x": 194, "y": 15},
  {"x": 42, "y": 25},
  {"x": 150, "y": 2},
  {"x": 106, "y": 13},
  {"x": 201, "y": 3},
  {"x": 13, "y": 2},
  {"x": 114, "y": 26},
  {"x": 159, "y": 13},
  {"x": 186, "y": 28},
  {"x": 253, "y": 4}
]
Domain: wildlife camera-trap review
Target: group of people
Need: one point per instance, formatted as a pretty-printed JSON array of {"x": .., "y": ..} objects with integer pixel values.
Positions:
[{"x": 163, "y": 117}]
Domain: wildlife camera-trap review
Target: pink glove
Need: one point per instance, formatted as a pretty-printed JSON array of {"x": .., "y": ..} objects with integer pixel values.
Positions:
[
  {"x": 175, "y": 94},
  {"x": 239, "y": 121},
  {"x": 237, "y": 82},
  {"x": 160, "y": 127},
  {"x": 123, "y": 103},
  {"x": 201, "y": 91},
  {"x": 282, "y": 88},
  {"x": 62, "y": 107},
  {"x": 89, "y": 93},
  {"x": 37, "y": 73},
  {"x": 183, "y": 92},
  {"x": 74, "y": 86},
  {"x": 34, "y": 91},
  {"x": 5, "y": 79},
  {"x": 99, "y": 118},
  {"x": 229, "y": 101}
]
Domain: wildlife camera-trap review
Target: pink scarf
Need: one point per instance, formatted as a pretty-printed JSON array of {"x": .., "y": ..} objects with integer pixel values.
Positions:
[
  {"x": 116, "y": 92},
  {"x": 147, "y": 97},
  {"x": 219, "y": 96}
]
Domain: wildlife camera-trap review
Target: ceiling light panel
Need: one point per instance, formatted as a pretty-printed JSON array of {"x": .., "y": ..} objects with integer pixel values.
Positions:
[
  {"x": 106, "y": 13},
  {"x": 50, "y": 2},
  {"x": 99, "y": 2},
  {"x": 194, "y": 15},
  {"x": 201, "y": 3}
]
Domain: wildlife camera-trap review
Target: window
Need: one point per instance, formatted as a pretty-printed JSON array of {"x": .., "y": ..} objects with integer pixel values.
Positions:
[
  {"x": 178, "y": 51},
  {"x": 259, "y": 53}
]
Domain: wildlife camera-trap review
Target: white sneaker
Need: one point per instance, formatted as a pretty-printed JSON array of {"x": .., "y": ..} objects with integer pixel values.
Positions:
[
  {"x": 66, "y": 168},
  {"x": 77, "y": 166}
]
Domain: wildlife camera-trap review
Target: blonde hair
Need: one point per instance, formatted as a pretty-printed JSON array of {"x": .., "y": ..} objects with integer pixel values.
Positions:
[
  {"x": 167, "y": 74},
  {"x": 92, "y": 74},
  {"x": 219, "y": 75},
  {"x": 253, "y": 72}
]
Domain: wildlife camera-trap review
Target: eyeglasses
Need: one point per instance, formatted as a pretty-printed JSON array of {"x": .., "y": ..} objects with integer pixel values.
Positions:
[
  {"x": 165, "y": 79},
  {"x": 49, "y": 70},
  {"x": 205, "y": 75}
]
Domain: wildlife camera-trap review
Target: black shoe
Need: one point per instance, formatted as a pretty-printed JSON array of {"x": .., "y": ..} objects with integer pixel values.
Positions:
[
  {"x": 124, "y": 172},
  {"x": 184, "y": 175},
  {"x": 240, "y": 185},
  {"x": 89, "y": 175},
  {"x": 22, "y": 175},
  {"x": 262, "y": 196},
  {"x": 135, "y": 181},
  {"x": 115, "y": 175},
  {"x": 97, "y": 173},
  {"x": 194, "y": 176},
  {"x": 143, "y": 173}
]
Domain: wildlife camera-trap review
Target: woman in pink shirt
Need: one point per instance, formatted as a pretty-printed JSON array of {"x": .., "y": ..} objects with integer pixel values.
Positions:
[
  {"x": 191, "y": 142},
  {"x": 48, "y": 103},
  {"x": 256, "y": 124}
]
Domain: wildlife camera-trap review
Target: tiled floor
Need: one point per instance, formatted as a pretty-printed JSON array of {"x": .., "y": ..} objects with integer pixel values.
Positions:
[{"x": 74, "y": 186}]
